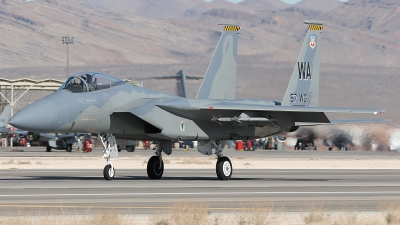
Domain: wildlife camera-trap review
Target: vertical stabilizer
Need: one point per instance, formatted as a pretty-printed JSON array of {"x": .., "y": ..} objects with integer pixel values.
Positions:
[
  {"x": 304, "y": 83},
  {"x": 181, "y": 84},
  {"x": 5, "y": 116},
  {"x": 220, "y": 79}
]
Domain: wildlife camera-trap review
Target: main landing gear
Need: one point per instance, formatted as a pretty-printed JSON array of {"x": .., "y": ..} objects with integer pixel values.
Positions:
[
  {"x": 155, "y": 165},
  {"x": 223, "y": 166}
]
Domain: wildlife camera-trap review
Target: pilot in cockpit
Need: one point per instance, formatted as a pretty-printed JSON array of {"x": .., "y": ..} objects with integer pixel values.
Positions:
[{"x": 89, "y": 80}]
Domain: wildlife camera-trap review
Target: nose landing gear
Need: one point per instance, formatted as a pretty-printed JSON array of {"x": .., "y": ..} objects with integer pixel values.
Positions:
[{"x": 110, "y": 151}]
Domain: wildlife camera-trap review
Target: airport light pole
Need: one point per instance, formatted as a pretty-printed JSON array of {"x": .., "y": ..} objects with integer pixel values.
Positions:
[{"x": 67, "y": 40}]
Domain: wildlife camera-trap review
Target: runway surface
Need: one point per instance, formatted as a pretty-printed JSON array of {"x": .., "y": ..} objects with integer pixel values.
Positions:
[
  {"x": 33, "y": 192},
  {"x": 288, "y": 154}
]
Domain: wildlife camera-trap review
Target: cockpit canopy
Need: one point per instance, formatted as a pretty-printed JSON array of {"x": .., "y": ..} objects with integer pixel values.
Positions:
[{"x": 90, "y": 81}]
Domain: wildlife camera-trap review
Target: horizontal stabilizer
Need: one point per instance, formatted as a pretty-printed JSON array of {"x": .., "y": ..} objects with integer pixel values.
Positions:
[{"x": 335, "y": 122}]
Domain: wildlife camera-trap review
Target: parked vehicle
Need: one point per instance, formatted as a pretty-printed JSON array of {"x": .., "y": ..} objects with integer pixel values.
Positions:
[{"x": 128, "y": 145}]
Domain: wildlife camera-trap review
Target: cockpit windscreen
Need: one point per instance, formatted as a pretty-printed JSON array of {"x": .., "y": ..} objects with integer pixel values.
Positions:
[{"x": 89, "y": 81}]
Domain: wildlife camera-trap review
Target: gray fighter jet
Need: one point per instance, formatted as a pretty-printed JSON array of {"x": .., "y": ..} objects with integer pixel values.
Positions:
[
  {"x": 180, "y": 78},
  {"x": 4, "y": 117},
  {"x": 100, "y": 104},
  {"x": 63, "y": 141}
]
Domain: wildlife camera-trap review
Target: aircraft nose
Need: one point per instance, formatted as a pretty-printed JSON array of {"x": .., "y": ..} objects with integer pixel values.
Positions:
[{"x": 41, "y": 115}]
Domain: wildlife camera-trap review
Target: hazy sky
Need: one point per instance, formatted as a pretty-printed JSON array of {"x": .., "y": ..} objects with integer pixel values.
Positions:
[
  {"x": 287, "y": 1},
  {"x": 236, "y": 1}
]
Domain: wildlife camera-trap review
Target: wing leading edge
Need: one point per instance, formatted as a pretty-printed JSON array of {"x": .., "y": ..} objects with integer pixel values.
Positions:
[
  {"x": 293, "y": 109},
  {"x": 307, "y": 116},
  {"x": 303, "y": 116}
]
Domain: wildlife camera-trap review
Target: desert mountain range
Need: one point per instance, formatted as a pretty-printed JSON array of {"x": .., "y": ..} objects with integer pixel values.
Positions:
[{"x": 139, "y": 38}]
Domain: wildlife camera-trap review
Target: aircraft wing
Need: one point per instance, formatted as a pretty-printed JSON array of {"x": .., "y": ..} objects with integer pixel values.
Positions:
[
  {"x": 193, "y": 78},
  {"x": 4, "y": 132},
  {"x": 47, "y": 136},
  {"x": 160, "y": 78},
  {"x": 225, "y": 107},
  {"x": 275, "y": 108},
  {"x": 303, "y": 116}
]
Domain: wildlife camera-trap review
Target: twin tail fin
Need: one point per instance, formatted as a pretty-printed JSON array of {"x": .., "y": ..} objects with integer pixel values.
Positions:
[{"x": 304, "y": 84}]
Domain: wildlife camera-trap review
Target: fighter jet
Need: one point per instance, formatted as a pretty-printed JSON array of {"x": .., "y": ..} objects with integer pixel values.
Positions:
[
  {"x": 305, "y": 138},
  {"x": 340, "y": 139},
  {"x": 56, "y": 141},
  {"x": 180, "y": 78},
  {"x": 97, "y": 103},
  {"x": 4, "y": 117}
]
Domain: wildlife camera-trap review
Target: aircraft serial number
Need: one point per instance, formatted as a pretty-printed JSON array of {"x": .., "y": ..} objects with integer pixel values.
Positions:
[{"x": 298, "y": 98}]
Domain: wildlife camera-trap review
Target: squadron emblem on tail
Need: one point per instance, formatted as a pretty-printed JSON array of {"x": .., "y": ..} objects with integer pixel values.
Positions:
[{"x": 312, "y": 42}]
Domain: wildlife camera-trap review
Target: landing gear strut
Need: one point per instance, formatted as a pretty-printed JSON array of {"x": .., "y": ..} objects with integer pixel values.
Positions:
[
  {"x": 224, "y": 165},
  {"x": 110, "y": 151},
  {"x": 155, "y": 166}
]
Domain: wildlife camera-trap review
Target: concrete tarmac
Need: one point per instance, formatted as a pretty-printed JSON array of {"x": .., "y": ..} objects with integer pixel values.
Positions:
[
  {"x": 34, "y": 192},
  {"x": 84, "y": 191},
  {"x": 289, "y": 154}
]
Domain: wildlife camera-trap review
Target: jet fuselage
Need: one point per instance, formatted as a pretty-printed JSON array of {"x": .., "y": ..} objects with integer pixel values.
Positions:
[{"x": 128, "y": 111}]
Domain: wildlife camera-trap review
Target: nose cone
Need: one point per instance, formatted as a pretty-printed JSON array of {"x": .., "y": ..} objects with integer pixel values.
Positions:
[{"x": 41, "y": 116}]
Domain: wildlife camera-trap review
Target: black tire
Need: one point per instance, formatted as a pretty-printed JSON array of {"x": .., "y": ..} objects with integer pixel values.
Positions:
[
  {"x": 224, "y": 168},
  {"x": 155, "y": 168},
  {"x": 119, "y": 148},
  {"x": 48, "y": 148},
  {"x": 130, "y": 149},
  {"x": 69, "y": 148},
  {"x": 108, "y": 172}
]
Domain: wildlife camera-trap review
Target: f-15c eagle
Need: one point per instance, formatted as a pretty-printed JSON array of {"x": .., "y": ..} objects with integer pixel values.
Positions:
[{"x": 97, "y": 103}]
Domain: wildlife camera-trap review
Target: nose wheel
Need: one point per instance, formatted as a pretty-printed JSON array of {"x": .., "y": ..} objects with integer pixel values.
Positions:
[
  {"x": 224, "y": 168},
  {"x": 109, "y": 172}
]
